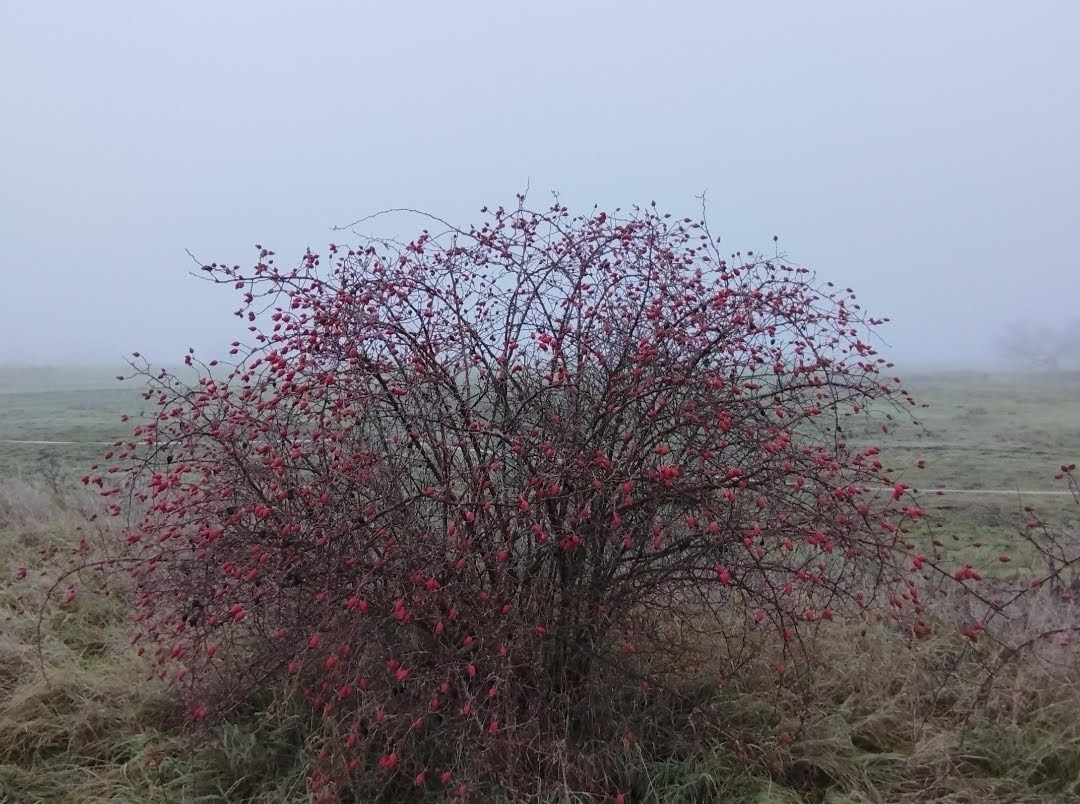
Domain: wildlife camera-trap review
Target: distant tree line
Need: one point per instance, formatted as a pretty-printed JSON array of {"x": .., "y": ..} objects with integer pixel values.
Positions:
[{"x": 1045, "y": 346}]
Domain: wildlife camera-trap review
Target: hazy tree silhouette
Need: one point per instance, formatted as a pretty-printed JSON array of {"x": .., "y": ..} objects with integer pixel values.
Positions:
[{"x": 1046, "y": 346}]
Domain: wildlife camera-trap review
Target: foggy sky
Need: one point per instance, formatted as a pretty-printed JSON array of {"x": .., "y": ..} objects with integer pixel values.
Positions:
[{"x": 923, "y": 152}]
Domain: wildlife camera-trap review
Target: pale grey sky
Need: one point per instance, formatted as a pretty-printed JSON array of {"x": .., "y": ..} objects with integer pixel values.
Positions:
[{"x": 924, "y": 152}]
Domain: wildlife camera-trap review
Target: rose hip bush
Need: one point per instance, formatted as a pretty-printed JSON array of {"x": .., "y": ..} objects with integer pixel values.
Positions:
[{"x": 488, "y": 501}]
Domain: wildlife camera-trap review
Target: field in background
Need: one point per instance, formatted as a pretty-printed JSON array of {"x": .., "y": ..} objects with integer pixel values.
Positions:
[
  {"x": 981, "y": 431},
  {"x": 97, "y": 732},
  {"x": 81, "y": 406},
  {"x": 990, "y": 430},
  {"x": 1004, "y": 433}
]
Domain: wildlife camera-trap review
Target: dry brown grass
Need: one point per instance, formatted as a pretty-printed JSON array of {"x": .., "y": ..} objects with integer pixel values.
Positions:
[{"x": 882, "y": 717}]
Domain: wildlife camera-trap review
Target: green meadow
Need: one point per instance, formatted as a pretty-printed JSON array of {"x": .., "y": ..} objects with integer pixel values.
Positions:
[{"x": 892, "y": 723}]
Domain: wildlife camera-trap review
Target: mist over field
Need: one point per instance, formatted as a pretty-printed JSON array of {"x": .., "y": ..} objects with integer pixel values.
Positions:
[
  {"x": 924, "y": 154},
  {"x": 379, "y": 422}
]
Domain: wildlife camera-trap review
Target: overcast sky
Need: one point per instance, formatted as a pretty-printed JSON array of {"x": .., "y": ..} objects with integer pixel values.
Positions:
[{"x": 923, "y": 152}]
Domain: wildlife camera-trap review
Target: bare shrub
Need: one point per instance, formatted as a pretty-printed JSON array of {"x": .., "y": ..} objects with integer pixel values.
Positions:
[{"x": 500, "y": 497}]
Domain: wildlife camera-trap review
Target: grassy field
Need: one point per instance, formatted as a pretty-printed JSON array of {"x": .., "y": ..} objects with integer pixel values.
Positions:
[
  {"x": 79, "y": 406},
  {"x": 888, "y": 726},
  {"x": 981, "y": 430},
  {"x": 990, "y": 431},
  {"x": 995, "y": 433}
]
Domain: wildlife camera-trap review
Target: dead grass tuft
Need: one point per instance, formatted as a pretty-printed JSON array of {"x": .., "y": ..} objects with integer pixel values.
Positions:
[{"x": 883, "y": 717}]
